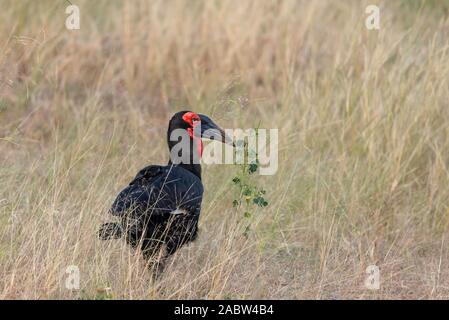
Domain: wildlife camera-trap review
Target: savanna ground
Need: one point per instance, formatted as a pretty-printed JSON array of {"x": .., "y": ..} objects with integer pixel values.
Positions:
[{"x": 363, "y": 145}]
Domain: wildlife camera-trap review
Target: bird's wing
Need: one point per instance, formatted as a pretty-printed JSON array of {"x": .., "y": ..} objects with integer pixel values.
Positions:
[
  {"x": 139, "y": 194},
  {"x": 146, "y": 174},
  {"x": 157, "y": 192}
]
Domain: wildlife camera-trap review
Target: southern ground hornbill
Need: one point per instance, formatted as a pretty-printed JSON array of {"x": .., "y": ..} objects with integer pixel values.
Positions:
[{"x": 160, "y": 208}]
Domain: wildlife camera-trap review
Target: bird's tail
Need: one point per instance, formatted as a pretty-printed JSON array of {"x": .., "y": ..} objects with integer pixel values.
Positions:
[{"x": 110, "y": 230}]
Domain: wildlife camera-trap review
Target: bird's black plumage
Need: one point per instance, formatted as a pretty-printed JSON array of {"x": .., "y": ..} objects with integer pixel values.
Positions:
[{"x": 160, "y": 208}]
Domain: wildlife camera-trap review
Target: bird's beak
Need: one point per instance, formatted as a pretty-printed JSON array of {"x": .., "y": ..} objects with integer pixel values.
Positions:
[{"x": 209, "y": 130}]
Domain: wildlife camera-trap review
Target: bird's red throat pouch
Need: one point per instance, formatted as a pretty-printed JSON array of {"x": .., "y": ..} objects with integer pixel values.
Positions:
[{"x": 197, "y": 141}]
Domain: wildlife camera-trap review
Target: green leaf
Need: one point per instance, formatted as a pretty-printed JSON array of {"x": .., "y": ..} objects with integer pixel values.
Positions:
[
  {"x": 247, "y": 191},
  {"x": 259, "y": 201},
  {"x": 247, "y": 214},
  {"x": 252, "y": 168}
]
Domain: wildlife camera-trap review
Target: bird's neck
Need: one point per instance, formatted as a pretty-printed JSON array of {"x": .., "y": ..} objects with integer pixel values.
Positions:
[{"x": 190, "y": 162}]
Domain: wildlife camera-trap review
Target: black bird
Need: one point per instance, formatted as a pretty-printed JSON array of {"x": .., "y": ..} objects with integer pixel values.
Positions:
[{"x": 160, "y": 208}]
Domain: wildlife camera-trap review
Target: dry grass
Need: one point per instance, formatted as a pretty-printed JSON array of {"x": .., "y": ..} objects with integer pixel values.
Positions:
[{"x": 364, "y": 139}]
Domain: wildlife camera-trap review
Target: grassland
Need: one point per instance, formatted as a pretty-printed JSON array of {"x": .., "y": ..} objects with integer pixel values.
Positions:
[{"x": 363, "y": 120}]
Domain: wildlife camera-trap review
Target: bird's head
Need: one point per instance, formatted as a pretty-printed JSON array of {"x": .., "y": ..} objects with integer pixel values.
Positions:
[
  {"x": 185, "y": 132},
  {"x": 198, "y": 126}
]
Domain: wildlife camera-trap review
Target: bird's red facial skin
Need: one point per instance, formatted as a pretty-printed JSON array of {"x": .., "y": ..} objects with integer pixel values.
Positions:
[{"x": 193, "y": 120}]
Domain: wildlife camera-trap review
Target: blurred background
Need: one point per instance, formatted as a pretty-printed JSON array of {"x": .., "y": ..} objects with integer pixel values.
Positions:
[{"x": 363, "y": 123}]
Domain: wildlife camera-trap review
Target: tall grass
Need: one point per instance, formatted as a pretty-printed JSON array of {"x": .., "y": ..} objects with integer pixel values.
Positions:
[{"x": 364, "y": 133}]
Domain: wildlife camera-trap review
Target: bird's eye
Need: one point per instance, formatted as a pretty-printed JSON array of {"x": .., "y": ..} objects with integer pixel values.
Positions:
[{"x": 195, "y": 120}]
